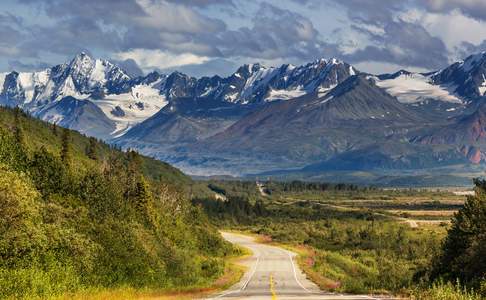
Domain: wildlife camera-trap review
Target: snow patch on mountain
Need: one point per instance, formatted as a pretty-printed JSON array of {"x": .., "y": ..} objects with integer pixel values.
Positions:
[
  {"x": 129, "y": 109},
  {"x": 31, "y": 82},
  {"x": 275, "y": 95},
  {"x": 482, "y": 87},
  {"x": 68, "y": 88},
  {"x": 412, "y": 88},
  {"x": 2, "y": 80}
]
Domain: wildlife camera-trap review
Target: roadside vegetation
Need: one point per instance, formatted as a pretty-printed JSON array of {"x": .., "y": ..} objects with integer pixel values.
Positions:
[
  {"x": 350, "y": 241},
  {"x": 77, "y": 215}
]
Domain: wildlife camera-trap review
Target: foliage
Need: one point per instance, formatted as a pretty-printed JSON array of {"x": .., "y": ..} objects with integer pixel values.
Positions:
[
  {"x": 70, "y": 219},
  {"x": 464, "y": 250},
  {"x": 446, "y": 291}
]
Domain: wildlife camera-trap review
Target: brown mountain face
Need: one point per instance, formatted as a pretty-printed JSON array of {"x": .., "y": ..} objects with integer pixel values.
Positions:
[
  {"x": 468, "y": 133},
  {"x": 468, "y": 130},
  {"x": 353, "y": 115}
]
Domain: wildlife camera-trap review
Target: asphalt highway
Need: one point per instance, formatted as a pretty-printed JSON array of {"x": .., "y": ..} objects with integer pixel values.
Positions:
[{"x": 273, "y": 274}]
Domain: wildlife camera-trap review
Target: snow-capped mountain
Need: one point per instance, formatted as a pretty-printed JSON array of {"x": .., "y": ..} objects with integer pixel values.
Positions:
[
  {"x": 323, "y": 114},
  {"x": 465, "y": 78},
  {"x": 128, "y": 101},
  {"x": 123, "y": 100}
]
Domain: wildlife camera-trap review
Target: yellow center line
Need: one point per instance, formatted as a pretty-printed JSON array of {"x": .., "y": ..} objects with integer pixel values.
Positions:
[{"x": 272, "y": 288}]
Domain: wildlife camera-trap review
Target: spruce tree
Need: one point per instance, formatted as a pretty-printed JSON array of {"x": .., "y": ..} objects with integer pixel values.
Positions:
[
  {"x": 91, "y": 149},
  {"x": 464, "y": 251},
  {"x": 66, "y": 147},
  {"x": 18, "y": 133},
  {"x": 132, "y": 174},
  {"x": 143, "y": 196},
  {"x": 54, "y": 129}
]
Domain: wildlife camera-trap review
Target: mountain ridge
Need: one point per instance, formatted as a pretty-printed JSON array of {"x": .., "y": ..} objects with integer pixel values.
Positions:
[{"x": 260, "y": 118}]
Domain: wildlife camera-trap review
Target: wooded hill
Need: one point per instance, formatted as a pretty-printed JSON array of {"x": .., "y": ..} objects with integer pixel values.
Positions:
[{"x": 76, "y": 213}]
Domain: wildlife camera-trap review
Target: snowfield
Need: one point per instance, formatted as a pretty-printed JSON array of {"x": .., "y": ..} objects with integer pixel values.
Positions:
[
  {"x": 415, "y": 88},
  {"x": 129, "y": 109}
]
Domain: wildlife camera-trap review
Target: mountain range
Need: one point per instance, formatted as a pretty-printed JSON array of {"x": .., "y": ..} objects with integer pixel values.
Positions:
[{"x": 324, "y": 116}]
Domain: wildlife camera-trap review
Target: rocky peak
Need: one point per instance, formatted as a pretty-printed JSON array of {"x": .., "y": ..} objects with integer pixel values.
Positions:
[{"x": 469, "y": 76}]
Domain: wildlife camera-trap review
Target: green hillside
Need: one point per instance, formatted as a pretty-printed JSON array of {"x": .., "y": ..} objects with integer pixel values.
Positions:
[
  {"x": 41, "y": 134},
  {"x": 76, "y": 213}
]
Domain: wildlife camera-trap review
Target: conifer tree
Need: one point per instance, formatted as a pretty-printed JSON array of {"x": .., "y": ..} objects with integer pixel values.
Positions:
[
  {"x": 18, "y": 133},
  {"x": 143, "y": 196},
  {"x": 132, "y": 174},
  {"x": 66, "y": 147},
  {"x": 54, "y": 129},
  {"x": 463, "y": 256},
  {"x": 91, "y": 149}
]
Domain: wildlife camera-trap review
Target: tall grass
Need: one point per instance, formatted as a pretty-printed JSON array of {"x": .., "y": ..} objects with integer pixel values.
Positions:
[{"x": 446, "y": 291}]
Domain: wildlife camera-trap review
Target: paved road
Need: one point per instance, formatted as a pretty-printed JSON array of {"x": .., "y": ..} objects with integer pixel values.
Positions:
[{"x": 273, "y": 274}]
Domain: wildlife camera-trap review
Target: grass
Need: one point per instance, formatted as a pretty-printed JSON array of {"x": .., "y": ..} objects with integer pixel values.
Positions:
[
  {"x": 233, "y": 273},
  {"x": 445, "y": 291}
]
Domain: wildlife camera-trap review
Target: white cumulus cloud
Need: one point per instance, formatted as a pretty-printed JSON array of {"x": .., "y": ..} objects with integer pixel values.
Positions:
[{"x": 149, "y": 60}]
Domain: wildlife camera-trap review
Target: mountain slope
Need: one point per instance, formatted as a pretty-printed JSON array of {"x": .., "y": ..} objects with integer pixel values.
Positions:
[
  {"x": 80, "y": 115},
  {"x": 355, "y": 114},
  {"x": 128, "y": 101},
  {"x": 467, "y": 133}
]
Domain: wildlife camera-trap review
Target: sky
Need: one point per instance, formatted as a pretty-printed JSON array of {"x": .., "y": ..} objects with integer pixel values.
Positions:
[{"x": 208, "y": 37}]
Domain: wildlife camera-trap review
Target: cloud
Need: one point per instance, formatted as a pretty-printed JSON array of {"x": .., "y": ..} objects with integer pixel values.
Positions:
[
  {"x": 406, "y": 44},
  {"x": 275, "y": 33},
  {"x": 25, "y": 67},
  {"x": 114, "y": 25},
  {"x": 219, "y": 66},
  {"x": 391, "y": 37},
  {"x": 130, "y": 66},
  {"x": 466, "y": 48},
  {"x": 473, "y": 8},
  {"x": 175, "y": 18},
  {"x": 204, "y": 3},
  {"x": 159, "y": 59},
  {"x": 13, "y": 32},
  {"x": 181, "y": 33}
]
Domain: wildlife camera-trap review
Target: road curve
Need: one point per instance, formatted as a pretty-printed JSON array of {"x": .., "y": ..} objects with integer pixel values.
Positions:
[{"x": 273, "y": 274}]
